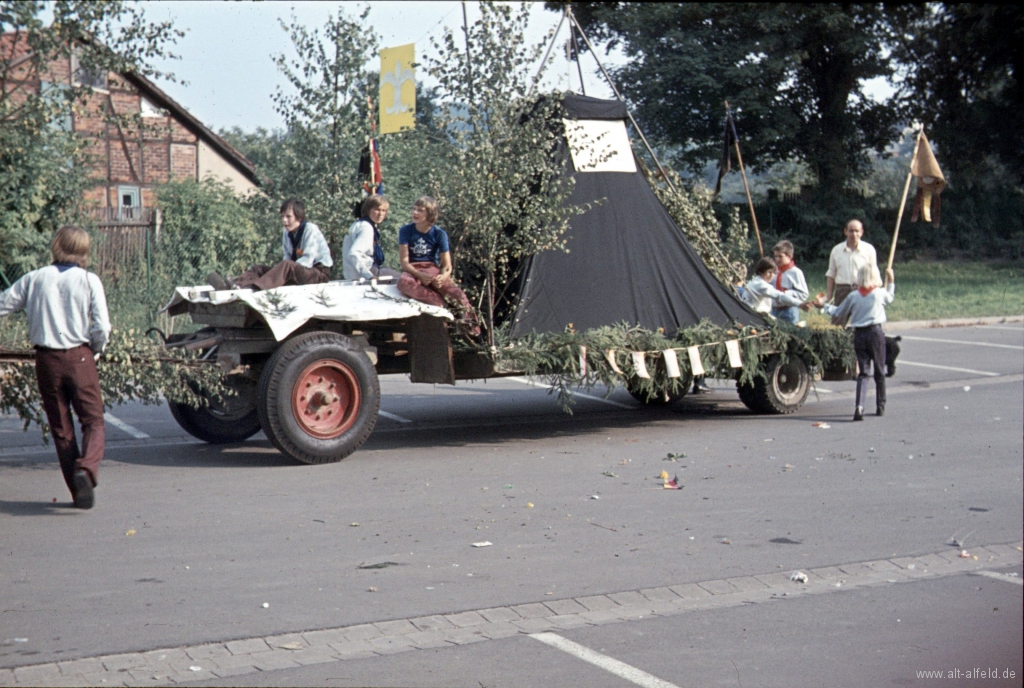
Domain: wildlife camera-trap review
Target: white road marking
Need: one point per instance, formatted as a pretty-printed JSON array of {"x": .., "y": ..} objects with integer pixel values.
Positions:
[
  {"x": 901, "y": 362},
  {"x": 957, "y": 341},
  {"x": 394, "y": 416},
  {"x": 124, "y": 427},
  {"x": 620, "y": 669},
  {"x": 1016, "y": 580},
  {"x": 822, "y": 390},
  {"x": 541, "y": 385}
]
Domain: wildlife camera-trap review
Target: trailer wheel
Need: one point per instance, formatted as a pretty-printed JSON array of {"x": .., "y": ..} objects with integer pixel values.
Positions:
[
  {"x": 685, "y": 383},
  {"x": 318, "y": 397},
  {"x": 226, "y": 421},
  {"x": 782, "y": 390}
]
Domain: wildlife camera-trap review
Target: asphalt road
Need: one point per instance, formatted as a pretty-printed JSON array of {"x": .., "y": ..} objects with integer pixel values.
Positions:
[{"x": 238, "y": 542}]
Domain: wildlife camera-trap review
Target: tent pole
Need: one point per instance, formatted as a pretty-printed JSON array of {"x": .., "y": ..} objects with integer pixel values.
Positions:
[
  {"x": 572, "y": 18},
  {"x": 750, "y": 201},
  {"x": 903, "y": 203},
  {"x": 547, "y": 54}
]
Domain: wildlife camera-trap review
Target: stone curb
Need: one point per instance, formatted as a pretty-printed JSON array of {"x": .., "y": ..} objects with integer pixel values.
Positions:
[
  {"x": 900, "y": 325},
  {"x": 253, "y": 655}
]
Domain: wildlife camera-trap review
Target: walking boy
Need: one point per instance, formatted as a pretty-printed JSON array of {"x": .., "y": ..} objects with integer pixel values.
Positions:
[{"x": 69, "y": 327}]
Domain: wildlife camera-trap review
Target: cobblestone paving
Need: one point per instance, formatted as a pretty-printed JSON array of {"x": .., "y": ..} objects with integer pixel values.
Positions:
[{"x": 250, "y": 655}]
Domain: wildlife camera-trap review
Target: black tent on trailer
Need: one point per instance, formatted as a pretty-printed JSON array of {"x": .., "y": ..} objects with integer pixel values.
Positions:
[{"x": 628, "y": 261}]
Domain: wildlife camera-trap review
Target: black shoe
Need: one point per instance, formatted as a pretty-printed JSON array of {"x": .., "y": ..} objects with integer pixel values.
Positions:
[
  {"x": 880, "y": 410},
  {"x": 82, "y": 490},
  {"x": 859, "y": 413},
  {"x": 217, "y": 282},
  {"x": 701, "y": 387}
]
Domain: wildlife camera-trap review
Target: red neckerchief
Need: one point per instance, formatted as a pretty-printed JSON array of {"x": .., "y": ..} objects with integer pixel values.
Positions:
[
  {"x": 864, "y": 291},
  {"x": 778, "y": 278}
]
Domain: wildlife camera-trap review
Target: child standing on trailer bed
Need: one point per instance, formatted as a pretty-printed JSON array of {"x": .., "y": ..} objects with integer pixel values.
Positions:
[{"x": 865, "y": 307}]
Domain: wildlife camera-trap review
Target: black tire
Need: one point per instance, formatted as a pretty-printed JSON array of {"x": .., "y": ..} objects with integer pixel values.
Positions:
[
  {"x": 318, "y": 397},
  {"x": 685, "y": 382},
  {"x": 227, "y": 421},
  {"x": 782, "y": 390}
]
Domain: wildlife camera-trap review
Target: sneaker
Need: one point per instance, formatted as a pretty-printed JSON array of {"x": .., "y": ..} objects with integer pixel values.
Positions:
[
  {"x": 859, "y": 413},
  {"x": 700, "y": 386},
  {"x": 82, "y": 490},
  {"x": 880, "y": 410}
]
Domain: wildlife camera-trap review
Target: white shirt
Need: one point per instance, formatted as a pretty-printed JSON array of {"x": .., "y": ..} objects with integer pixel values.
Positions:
[
  {"x": 65, "y": 308},
  {"x": 844, "y": 262},
  {"x": 313, "y": 249},
  {"x": 793, "y": 287},
  {"x": 864, "y": 310},
  {"x": 758, "y": 294},
  {"x": 357, "y": 248}
]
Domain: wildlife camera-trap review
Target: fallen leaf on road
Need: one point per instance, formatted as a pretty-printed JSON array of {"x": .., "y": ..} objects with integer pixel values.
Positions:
[
  {"x": 663, "y": 476},
  {"x": 371, "y": 590},
  {"x": 726, "y": 541},
  {"x": 130, "y": 533},
  {"x": 529, "y": 505},
  {"x": 354, "y": 525},
  {"x": 609, "y": 474},
  {"x": 788, "y": 467},
  {"x": 964, "y": 554}
]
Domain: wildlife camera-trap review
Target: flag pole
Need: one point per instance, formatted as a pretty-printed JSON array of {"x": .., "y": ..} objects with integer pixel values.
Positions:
[
  {"x": 746, "y": 187},
  {"x": 903, "y": 203}
]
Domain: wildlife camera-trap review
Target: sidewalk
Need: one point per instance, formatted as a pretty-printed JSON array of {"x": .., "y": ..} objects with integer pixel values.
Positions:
[{"x": 899, "y": 325}]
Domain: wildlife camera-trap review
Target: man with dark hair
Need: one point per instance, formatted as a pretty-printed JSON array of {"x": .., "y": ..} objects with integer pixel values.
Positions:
[
  {"x": 307, "y": 257},
  {"x": 69, "y": 328}
]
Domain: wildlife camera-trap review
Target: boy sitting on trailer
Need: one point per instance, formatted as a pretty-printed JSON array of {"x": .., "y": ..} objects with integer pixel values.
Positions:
[{"x": 759, "y": 292}]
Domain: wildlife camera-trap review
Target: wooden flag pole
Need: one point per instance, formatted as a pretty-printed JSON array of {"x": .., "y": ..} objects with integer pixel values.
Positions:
[
  {"x": 746, "y": 187},
  {"x": 903, "y": 203}
]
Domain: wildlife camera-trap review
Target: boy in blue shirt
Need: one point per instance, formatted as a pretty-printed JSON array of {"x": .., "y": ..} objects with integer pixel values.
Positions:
[{"x": 426, "y": 259}]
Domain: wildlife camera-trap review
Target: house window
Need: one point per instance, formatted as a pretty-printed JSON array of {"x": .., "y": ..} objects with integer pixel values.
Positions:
[
  {"x": 85, "y": 75},
  {"x": 148, "y": 109},
  {"x": 55, "y": 96},
  {"x": 129, "y": 202}
]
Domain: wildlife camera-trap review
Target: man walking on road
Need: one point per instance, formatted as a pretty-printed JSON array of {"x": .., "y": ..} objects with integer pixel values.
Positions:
[
  {"x": 69, "y": 327},
  {"x": 844, "y": 263}
]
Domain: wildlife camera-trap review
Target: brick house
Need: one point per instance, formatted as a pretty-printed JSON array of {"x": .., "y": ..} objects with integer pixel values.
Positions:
[{"x": 154, "y": 140}]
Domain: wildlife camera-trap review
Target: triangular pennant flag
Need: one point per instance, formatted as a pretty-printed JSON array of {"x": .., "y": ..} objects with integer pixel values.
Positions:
[
  {"x": 583, "y": 361},
  {"x": 733, "y": 347},
  {"x": 671, "y": 363},
  {"x": 930, "y": 183},
  {"x": 696, "y": 367},
  {"x": 640, "y": 365},
  {"x": 610, "y": 355},
  {"x": 725, "y": 164}
]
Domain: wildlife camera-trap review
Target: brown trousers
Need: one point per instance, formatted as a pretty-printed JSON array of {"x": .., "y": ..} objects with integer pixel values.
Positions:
[
  {"x": 285, "y": 273},
  {"x": 448, "y": 296},
  {"x": 840, "y": 293},
  {"x": 68, "y": 380}
]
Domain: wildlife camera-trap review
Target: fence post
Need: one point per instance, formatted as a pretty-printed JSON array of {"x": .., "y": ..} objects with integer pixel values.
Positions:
[{"x": 149, "y": 262}]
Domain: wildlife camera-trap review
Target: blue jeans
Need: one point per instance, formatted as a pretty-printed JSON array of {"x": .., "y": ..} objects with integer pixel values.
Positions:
[{"x": 790, "y": 314}]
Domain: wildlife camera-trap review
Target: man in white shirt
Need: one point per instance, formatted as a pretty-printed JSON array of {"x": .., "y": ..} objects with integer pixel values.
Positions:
[
  {"x": 844, "y": 263},
  {"x": 363, "y": 256},
  {"x": 68, "y": 325}
]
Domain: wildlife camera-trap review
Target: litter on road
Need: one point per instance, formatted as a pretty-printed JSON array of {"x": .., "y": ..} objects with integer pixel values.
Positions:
[
  {"x": 485, "y": 543},
  {"x": 798, "y": 577},
  {"x": 821, "y": 424}
]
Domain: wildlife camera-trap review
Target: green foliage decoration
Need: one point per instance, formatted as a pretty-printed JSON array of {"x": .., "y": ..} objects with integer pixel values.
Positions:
[{"x": 555, "y": 357}]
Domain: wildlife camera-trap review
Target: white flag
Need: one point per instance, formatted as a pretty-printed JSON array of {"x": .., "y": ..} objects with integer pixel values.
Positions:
[
  {"x": 610, "y": 355},
  {"x": 583, "y": 361},
  {"x": 640, "y": 366},
  {"x": 733, "y": 347},
  {"x": 671, "y": 363},
  {"x": 696, "y": 367}
]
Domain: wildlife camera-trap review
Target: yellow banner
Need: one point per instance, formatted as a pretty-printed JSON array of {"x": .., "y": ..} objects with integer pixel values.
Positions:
[{"x": 397, "y": 89}]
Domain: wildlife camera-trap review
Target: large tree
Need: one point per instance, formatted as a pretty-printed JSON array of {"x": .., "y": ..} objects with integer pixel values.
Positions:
[
  {"x": 964, "y": 63},
  {"x": 794, "y": 73}
]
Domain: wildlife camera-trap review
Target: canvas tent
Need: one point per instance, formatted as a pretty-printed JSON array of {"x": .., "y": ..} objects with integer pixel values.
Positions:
[{"x": 628, "y": 261}]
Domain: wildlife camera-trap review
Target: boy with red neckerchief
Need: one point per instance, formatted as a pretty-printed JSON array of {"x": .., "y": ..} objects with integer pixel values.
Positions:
[
  {"x": 866, "y": 309},
  {"x": 789, "y": 280}
]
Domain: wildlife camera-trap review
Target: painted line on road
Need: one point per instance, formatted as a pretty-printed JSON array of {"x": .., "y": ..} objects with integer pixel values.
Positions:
[
  {"x": 541, "y": 385},
  {"x": 124, "y": 427},
  {"x": 609, "y": 664},
  {"x": 900, "y": 362},
  {"x": 1000, "y": 327},
  {"x": 1016, "y": 580},
  {"x": 394, "y": 416},
  {"x": 957, "y": 341}
]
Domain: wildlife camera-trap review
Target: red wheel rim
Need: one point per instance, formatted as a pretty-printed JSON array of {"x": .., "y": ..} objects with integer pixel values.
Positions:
[{"x": 326, "y": 399}]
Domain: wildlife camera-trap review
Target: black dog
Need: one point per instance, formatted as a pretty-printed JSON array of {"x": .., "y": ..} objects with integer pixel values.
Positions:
[{"x": 892, "y": 350}]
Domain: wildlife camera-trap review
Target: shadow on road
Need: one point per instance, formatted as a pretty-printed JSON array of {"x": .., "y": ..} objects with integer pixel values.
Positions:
[{"x": 24, "y": 508}]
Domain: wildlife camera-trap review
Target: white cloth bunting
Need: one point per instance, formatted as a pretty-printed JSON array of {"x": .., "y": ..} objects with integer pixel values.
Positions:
[
  {"x": 671, "y": 363},
  {"x": 733, "y": 347},
  {"x": 610, "y": 355},
  {"x": 583, "y": 361},
  {"x": 640, "y": 366},
  {"x": 696, "y": 367}
]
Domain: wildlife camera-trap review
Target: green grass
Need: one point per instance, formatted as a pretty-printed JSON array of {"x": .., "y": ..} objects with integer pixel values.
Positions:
[{"x": 926, "y": 291}]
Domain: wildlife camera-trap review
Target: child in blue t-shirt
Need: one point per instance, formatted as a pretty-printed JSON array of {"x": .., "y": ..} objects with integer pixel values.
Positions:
[{"x": 426, "y": 259}]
